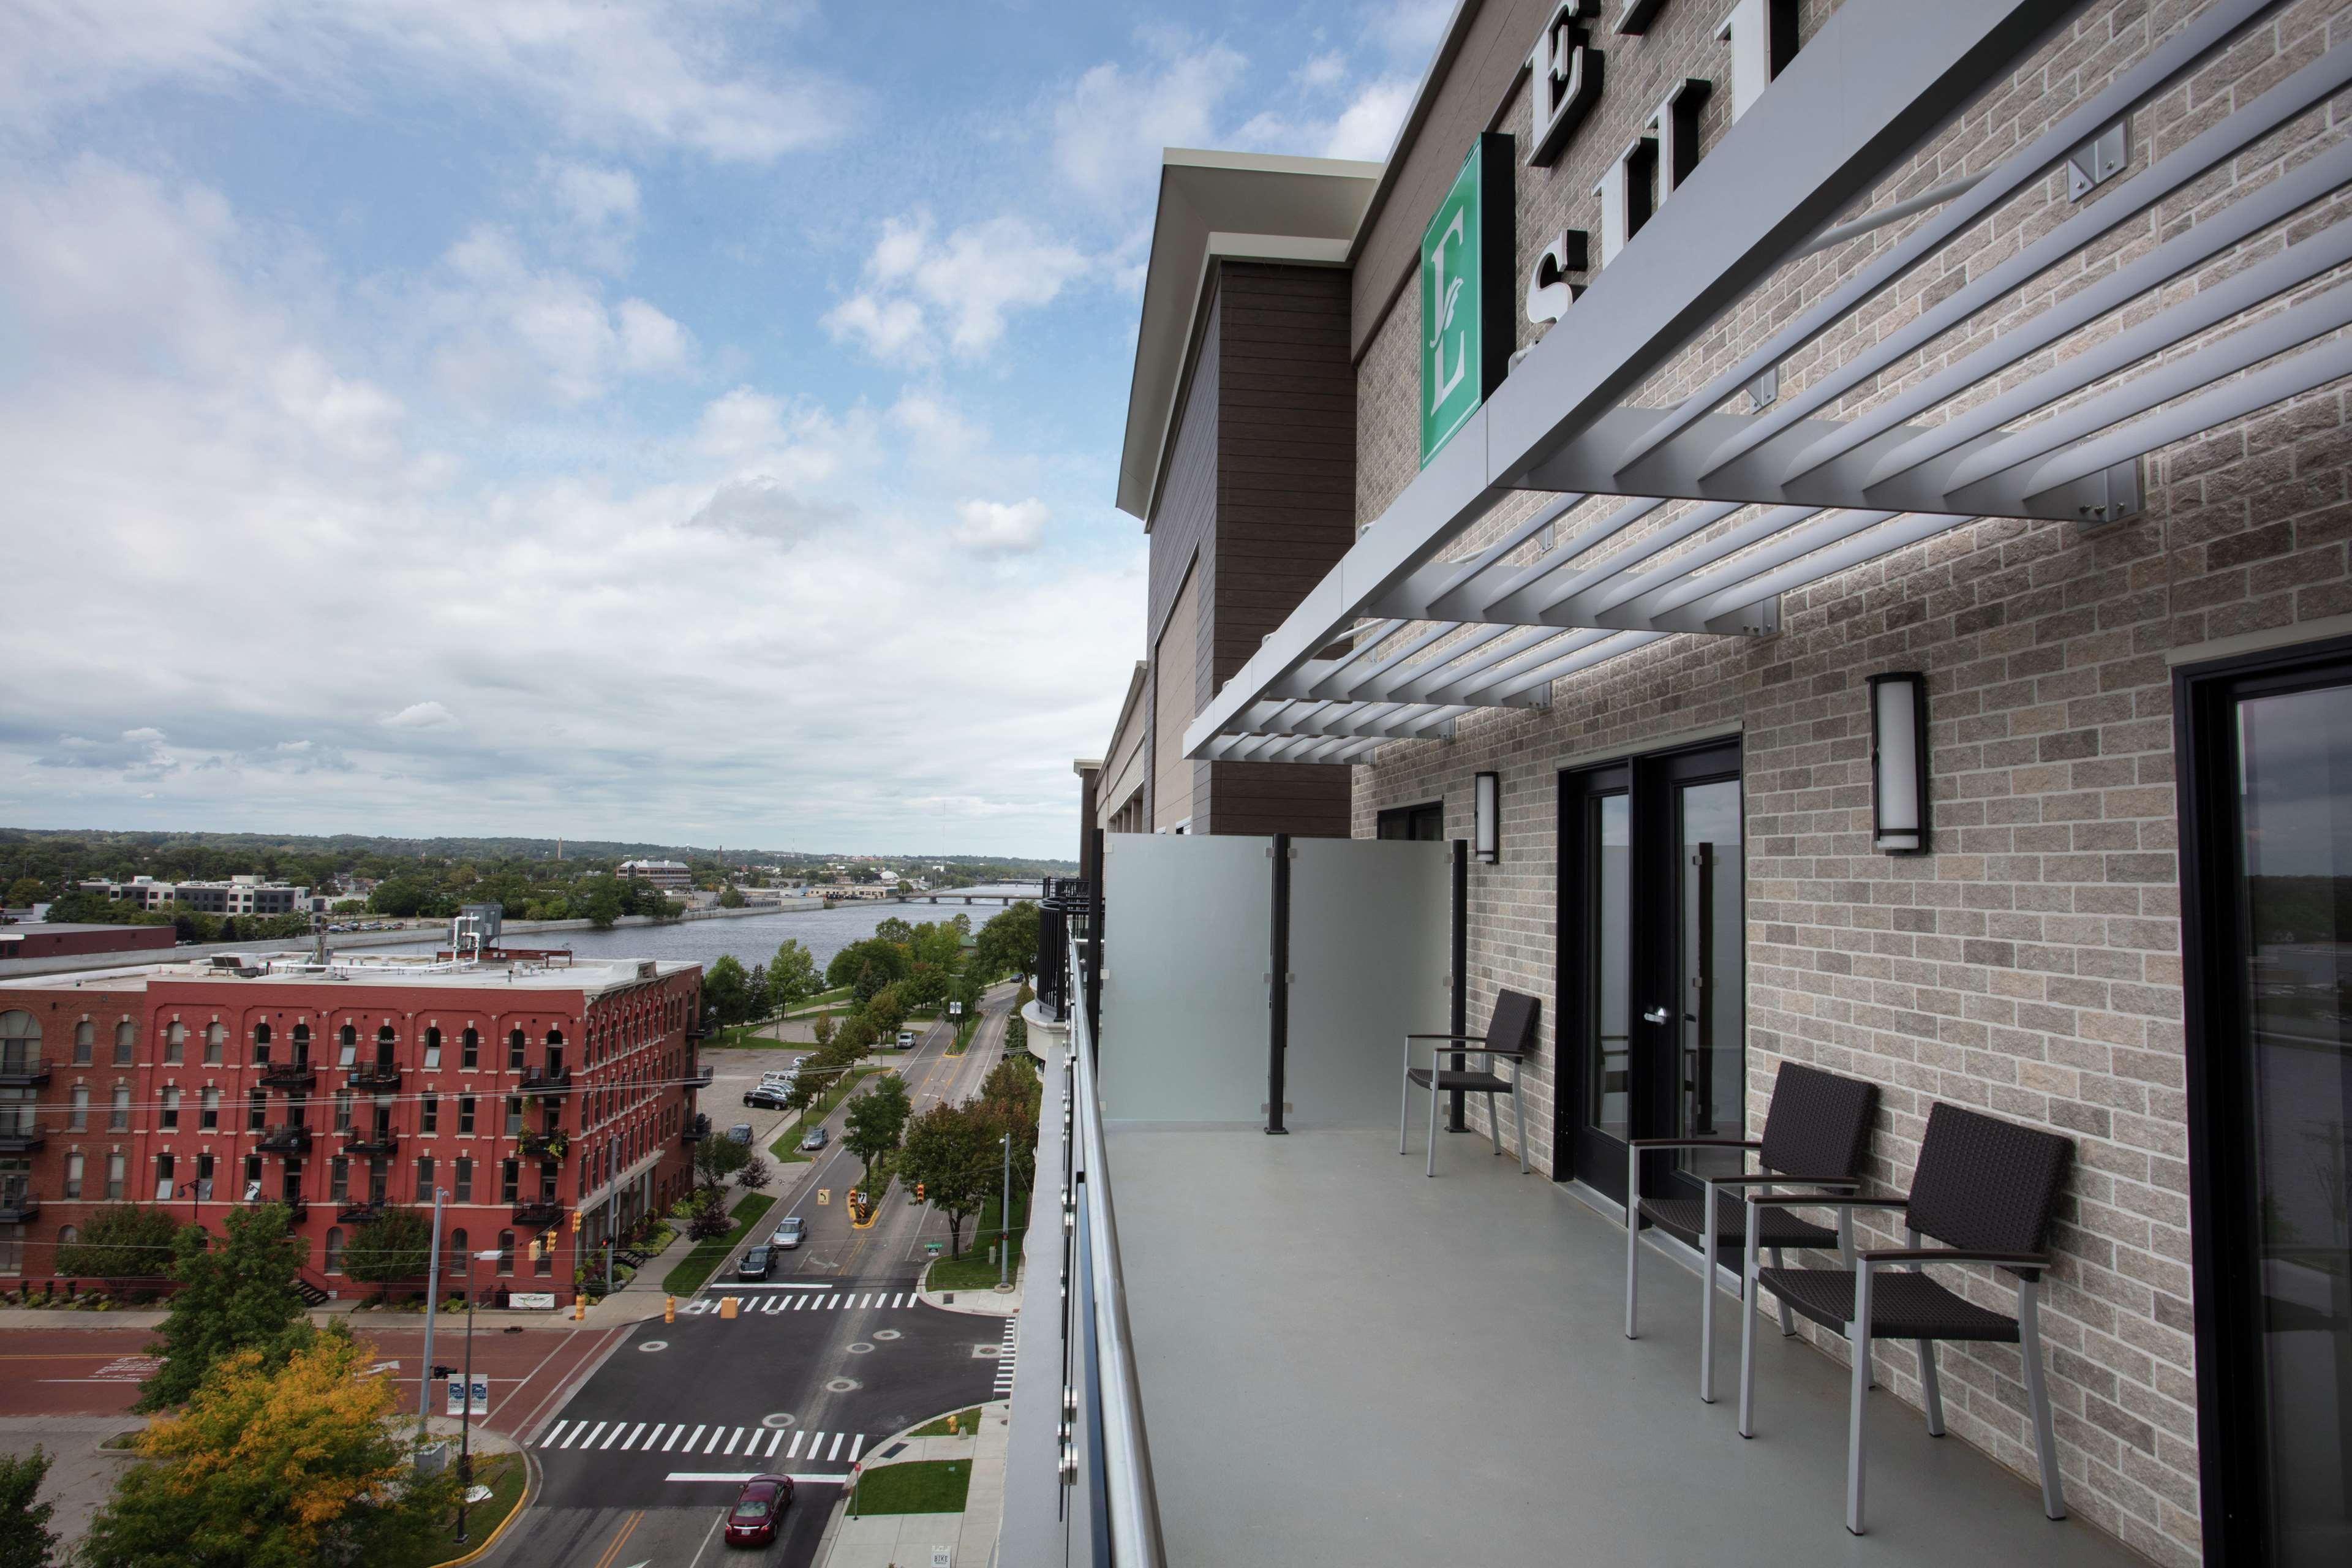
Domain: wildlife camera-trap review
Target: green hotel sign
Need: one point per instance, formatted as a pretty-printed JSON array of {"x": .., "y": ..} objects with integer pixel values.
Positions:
[{"x": 1466, "y": 319}]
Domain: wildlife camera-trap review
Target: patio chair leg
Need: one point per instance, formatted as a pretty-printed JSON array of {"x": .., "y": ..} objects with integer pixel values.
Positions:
[
  {"x": 1931, "y": 1393},
  {"x": 1632, "y": 1236},
  {"x": 1404, "y": 1096},
  {"x": 1706, "y": 1297},
  {"x": 1858, "y": 1336},
  {"x": 1494, "y": 1124},
  {"x": 1434, "y": 1098},
  {"x": 1788, "y": 1317},
  {"x": 1519, "y": 1115},
  {"x": 2037, "y": 1394},
  {"x": 1748, "y": 1305}
]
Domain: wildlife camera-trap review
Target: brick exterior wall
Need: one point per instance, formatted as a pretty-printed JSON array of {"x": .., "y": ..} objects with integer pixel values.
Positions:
[
  {"x": 627, "y": 1051},
  {"x": 2031, "y": 966}
]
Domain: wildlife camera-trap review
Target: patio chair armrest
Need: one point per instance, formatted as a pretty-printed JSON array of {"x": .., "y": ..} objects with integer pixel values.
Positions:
[
  {"x": 1441, "y": 1036},
  {"x": 1767, "y": 1179},
  {"x": 1823, "y": 1201},
  {"x": 1693, "y": 1143},
  {"x": 1877, "y": 1255}
]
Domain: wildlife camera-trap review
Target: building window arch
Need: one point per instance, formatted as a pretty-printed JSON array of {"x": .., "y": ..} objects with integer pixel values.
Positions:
[
  {"x": 175, "y": 1041},
  {"x": 216, "y": 1037},
  {"x": 67, "y": 1235},
  {"x": 335, "y": 1249},
  {"x": 506, "y": 1253},
  {"x": 126, "y": 1042},
  {"x": 85, "y": 1042}
]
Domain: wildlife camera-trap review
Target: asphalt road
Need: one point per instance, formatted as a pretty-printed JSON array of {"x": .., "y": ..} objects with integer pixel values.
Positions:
[{"x": 826, "y": 1360}]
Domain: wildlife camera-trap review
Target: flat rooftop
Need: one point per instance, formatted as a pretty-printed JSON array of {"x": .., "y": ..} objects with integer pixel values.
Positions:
[
  {"x": 294, "y": 968},
  {"x": 53, "y": 928}
]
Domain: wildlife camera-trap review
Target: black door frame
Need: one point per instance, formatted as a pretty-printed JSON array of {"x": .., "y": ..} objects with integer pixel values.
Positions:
[
  {"x": 1654, "y": 907},
  {"x": 2233, "y": 1481}
]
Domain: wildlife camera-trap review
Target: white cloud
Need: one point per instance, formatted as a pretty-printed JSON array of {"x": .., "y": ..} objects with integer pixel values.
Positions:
[
  {"x": 425, "y": 715},
  {"x": 960, "y": 288},
  {"x": 1409, "y": 30},
  {"x": 1109, "y": 132},
  {"x": 596, "y": 210},
  {"x": 1366, "y": 128},
  {"x": 999, "y": 528},
  {"x": 508, "y": 330},
  {"x": 612, "y": 76}
]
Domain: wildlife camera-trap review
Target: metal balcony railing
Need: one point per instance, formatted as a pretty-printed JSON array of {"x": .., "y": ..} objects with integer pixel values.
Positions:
[
  {"x": 289, "y": 1076},
  {"x": 370, "y": 1140},
  {"x": 380, "y": 1077},
  {"x": 699, "y": 1075},
  {"x": 16, "y": 1208},
  {"x": 283, "y": 1139},
  {"x": 696, "y": 1130},
  {"x": 1106, "y": 1460},
  {"x": 358, "y": 1211},
  {"x": 18, "y": 1135},
  {"x": 21, "y": 1072},
  {"x": 538, "y": 1214}
]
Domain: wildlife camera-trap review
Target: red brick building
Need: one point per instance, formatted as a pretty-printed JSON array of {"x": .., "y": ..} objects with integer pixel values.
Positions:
[
  {"x": 551, "y": 1103},
  {"x": 61, "y": 940}
]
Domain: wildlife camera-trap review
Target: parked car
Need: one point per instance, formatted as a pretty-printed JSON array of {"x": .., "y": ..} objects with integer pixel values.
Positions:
[
  {"x": 790, "y": 1233},
  {"x": 768, "y": 1096},
  {"x": 755, "y": 1264},
  {"x": 741, "y": 1133},
  {"x": 763, "y": 1500},
  {"x": 814, "y": 1140}
]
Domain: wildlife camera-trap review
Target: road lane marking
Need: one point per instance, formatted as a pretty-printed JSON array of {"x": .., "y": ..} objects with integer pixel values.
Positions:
[
  {"x": 855, "y": 1446},
  {"x": 690, "y": 1442},
  {"x": 655, "y": 1436},
  {"x": 830, "y": 1301},
  {"x": 775, "y": 1440},
  {"x": 837, "y": 1438},
  {"x": 618, "y": 1428},
  {"x": 620, "y": 1539},
  {"x": 555, "y": 1432},
  {"x": 840, "y": 1479},
  {"x": 735, "y": 1441},
  {"x": 800, "y": 1302},
  {"x": 715, "y": 1434},
  {"x": 794, "y": 1451},
  {"x": 673, "y": 1436}
]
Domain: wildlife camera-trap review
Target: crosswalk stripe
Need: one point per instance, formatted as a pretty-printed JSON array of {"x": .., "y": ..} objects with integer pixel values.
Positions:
[
  {"x": 715, "y": 1434},
  {"x": 774, "y": 1304},
  {"x": 832, "y": 1302},
  {"x": 690, "y": 1442},
  {"x": 552, "y": 1433},
  {"x": 675, "y": 1433},
  {"x": 735, "y": 1441},
  {"x": 794, "y": 1451},
  {"x": 800, "y": 1302},
  {"x": 816, "y": 1446},
  {"x": 773, "y": 1440},
  {"x": 618, "y": 1428},
  {"x": 859, "y": 1442},
  {"x": 590, "y": 1435},
  {"x": 837, "y": 1438},
  {"x": 654, "y": 1436}
]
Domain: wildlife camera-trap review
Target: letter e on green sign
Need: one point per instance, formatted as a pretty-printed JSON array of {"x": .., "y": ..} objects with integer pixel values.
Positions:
[{"x": 1465, "y": 293}]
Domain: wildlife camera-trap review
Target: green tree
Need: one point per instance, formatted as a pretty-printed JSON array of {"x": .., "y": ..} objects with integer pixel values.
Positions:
[
  {"x": 890, "y": 962},
  {"x": 726, "y": 989},
  {"x": 275, "y": 1465},
  {"x": 952, "y": 1152},
  {"x": 893, "y": 928},
  {"x": 877, "y": 1122},
  {"x": 791, "y": 976},
  {"x": 732, "y": 898},
  {"x": 396, "y": 1246},
  {"x": 756, "y": 1175},
  {"x": 602, "y": 900},
  {"x": 885, "y": 1010},
  {"x": 717, "y": 1158},
  {"x": 124, "y": 1241},
  {"x": 824, "y": 1029},
  {"x": 26, "y": 1539},
  {"x": 26, "y": 891},
  {"x": 1007, "y": 944},
  {"x": 235, "y": 1298}
]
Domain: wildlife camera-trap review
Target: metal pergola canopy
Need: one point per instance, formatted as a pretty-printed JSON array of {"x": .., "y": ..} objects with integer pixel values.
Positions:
[{"x": 2150, "y": 294}]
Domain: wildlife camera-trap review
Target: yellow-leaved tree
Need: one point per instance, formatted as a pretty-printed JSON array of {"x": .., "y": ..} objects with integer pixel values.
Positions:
[{"x": 275, "y": 1468}]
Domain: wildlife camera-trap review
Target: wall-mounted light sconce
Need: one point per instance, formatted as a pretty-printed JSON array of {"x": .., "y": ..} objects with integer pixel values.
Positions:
[
  {"x": 1487, "y": 816},
  {"x": 1899, "y": 762}
]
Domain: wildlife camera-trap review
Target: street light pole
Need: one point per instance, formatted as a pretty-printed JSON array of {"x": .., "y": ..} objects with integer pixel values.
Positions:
[
  {"x": 432, "y": 1309},
  {"x": 1004, "y": 1215}
]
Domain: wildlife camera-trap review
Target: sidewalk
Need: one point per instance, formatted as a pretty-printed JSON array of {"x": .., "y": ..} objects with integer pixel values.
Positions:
[
  {"x": 989, "y": 1302},
  {"x": 907, "y": 1540}
]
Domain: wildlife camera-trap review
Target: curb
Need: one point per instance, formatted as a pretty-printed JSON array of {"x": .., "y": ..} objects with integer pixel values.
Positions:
[
  {"x": 986, "y": 1302},
  {"x": 531, "y": 1487}
]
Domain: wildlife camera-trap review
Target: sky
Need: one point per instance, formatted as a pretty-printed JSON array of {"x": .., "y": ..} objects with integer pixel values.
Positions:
[{"x": 683, "y": 423}]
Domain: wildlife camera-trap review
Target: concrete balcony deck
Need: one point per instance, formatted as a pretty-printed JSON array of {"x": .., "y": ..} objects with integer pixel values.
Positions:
[{"x": 1343, "y": 1361}]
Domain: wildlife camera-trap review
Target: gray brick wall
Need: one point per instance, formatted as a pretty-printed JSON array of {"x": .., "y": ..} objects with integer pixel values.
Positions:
[{"x": 2031, "y": 966}]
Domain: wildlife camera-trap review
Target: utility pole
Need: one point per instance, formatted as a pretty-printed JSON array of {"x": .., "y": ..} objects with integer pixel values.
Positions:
[
  {"x": 432, "y": 1311},
  {"x": 1005, "y": 1236}
]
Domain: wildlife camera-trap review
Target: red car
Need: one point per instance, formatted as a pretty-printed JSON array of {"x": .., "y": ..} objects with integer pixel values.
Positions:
[{"x": 757, "y": 1507}]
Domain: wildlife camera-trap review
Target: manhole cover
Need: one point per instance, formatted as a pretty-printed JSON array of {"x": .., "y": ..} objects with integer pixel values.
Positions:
[
  {"x": 842, "y": 1386},
  {"x": 777, "y": 1421},
  {"x": 655, "y": 1345},
  {"x": 860, "y": 1348},
  {"x": 888, "y": 1334}
]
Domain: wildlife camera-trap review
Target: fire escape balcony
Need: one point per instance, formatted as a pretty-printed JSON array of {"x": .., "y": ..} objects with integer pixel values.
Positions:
[
  {"x": 380, "y": 1078},
  {"x": 358, "y": 1211},
  {"x": 371, "y": 1141},
  {"x": 696, "y": 1130},
  {"x": 289, "y": 1076},
  {"x": 23, "y": 1075},
  {"x": 285, "y": 1139},
  {"x": 16, "y": 1208},
  {"x": 20, "y": 1137},
  {"x": 538, "y": 1214},
  {"x": 547, "y": 1081},
  {"x": 699, "y": 1075}
]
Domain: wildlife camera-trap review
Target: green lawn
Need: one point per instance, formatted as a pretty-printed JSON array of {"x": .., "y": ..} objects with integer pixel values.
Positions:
[
  {"x": 821, "y": 999},
  {"x": 696, "y": 1266},
  {"x": 973, "y": 1271},
  {"x": 965, "y": 1421},
  {"x": 506, "y": 1477},
  {"x": 786, "y": 1148},
  {"x": 925, "y": 1486}
]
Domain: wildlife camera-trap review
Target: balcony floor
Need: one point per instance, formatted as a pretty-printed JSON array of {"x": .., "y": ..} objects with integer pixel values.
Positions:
[{"x": 1342, "y": 1361}]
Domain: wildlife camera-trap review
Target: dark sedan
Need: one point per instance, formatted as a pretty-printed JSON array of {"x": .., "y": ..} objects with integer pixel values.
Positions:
[{"x": 763, "y": 1500}]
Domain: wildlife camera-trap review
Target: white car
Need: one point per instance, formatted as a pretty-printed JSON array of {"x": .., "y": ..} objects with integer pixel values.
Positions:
[{"x": 789, "y": 1234}]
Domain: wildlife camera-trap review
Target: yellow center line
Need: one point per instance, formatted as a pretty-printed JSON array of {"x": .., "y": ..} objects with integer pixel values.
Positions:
[{"x": 628, "y": 1528}]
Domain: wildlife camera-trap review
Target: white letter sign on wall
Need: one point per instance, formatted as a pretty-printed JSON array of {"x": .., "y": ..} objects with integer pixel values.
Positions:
[
  {"x": 1566, "y": 82},
  {"x": 1550, "y": 293}
]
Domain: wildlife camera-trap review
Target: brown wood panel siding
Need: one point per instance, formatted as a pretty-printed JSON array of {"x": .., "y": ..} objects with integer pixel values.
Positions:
[
  {"x": 1187, "y": 501},
  {"x": 1302, "y": 798},
  {"x": 1501, "y": 36},
  {"x": 1176, "y": 696}
]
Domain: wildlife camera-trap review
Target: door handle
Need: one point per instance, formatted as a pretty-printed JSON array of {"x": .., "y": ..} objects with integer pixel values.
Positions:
[{"x": 1656, "y": 1015}]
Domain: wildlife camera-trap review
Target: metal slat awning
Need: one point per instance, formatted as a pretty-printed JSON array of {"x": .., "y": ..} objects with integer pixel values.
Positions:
[{"x": 2006, "y": 397}]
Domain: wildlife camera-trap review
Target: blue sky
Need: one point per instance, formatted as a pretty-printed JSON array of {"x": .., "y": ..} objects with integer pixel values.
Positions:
[{"x": 692, "y": 423}]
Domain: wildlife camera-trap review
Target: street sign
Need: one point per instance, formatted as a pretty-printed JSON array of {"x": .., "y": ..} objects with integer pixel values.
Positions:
[
  {"x": 481, "y": 1394},
  {"x": 824, "y": 1194},
  {"x": 1467, "y": 321}
]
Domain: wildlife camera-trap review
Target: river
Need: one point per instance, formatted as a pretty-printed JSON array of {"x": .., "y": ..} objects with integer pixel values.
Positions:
[{"x": 752, "y": 939}]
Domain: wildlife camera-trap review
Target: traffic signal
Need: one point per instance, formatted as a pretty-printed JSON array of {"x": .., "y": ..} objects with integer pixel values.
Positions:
[
  {"x": 575, "y": 1220},
  {"x": 919, "y": 1192}
]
